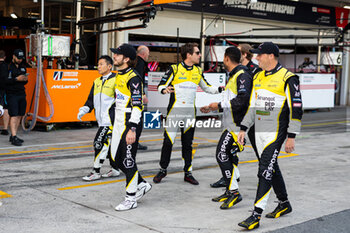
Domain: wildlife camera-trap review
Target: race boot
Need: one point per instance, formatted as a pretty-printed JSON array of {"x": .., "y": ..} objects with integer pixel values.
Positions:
[
  {"x": 161, "y": 174},
  {"x": 127, "y": 204},
  {"x": 218, "y": 184},
  {"x": 142, "y": 188},
  {"x": 92, "y": 176},
  {"x": 222, "y": 197},
  {"x": 281, "y": 209},
  {"x": 112, "y": 173},
  {"x": 252, "y": 222},
  {"x": 233, "y": 198},
  {"x": 190, "y": 179}
]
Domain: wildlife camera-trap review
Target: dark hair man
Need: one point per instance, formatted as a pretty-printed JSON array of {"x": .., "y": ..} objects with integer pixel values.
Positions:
[
  {"x": 276, "y": 109},
  {"x": 16, "y": 95},
  {"x": 181, "y": 82},
  {"x": 127, "y": 124},
  {"x": 3, "y": 79},
  {"x": 101, "y": 98},
  {"x": 252, "y": 68},
  {"x": 234, "y": 105}
]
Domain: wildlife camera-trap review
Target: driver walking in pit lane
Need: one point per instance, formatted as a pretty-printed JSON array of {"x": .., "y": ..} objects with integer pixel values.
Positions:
[
  {"x": 276, "y": 109},
  {"x": 181, "y": 81},
  {"x": 234, "y": 106},
  {"x": 246, "y": 61},
  {"x": 126, "y": 114},
  {"x": 101, "y": 98}
]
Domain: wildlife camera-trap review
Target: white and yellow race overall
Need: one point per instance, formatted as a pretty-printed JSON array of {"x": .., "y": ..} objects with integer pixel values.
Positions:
[
  {"x": 101, "y": 98},
  {"x": 185, "y": 80},
  {"x": 276, "y": 109},
  {"x": 126, "y": 114}
]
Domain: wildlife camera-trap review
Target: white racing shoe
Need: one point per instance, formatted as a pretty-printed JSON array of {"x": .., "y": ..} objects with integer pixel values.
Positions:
[
  {"x": 92, "y": 176},
  {"x": 142, "y": 189},
  {"x": 128, "y": 204},
  {"x": 111, "y": 173}
]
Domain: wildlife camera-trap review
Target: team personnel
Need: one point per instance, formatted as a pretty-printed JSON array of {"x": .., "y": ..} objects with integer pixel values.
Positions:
[
  {"x": 181, "y": 81},
  {"x": 234, "y": 106},
  {"x": 3, "y": 79},
  {"x": 141, "y": 68},
  {"x": 127, "y": 125},
  {"x": 276, "y": 109},
  {"x": 16, "y": 96},
  {"x": 101, "y": 98},
  {"x": 246, "y": 60}
]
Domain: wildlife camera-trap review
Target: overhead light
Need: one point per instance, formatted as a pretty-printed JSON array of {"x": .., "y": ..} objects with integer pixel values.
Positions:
[
  {"x": 13, "y": 15},
  {"x": 347, "y": 7},
  {"x": 295, "y": 0},
  {"x": 90, "y": 7}
]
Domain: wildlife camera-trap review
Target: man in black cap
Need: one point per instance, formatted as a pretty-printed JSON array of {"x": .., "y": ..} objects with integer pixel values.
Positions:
[
  {"x": 127, "y": 125},
  {"x": 16, "y": 96},
  {"x": 276, "y": 109}
]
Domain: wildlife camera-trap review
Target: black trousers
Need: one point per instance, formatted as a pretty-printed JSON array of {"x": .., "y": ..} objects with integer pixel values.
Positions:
[{"x": 186, "y": 141}]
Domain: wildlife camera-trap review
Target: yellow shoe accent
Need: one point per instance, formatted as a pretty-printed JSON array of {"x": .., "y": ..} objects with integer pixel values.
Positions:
[
  {"x": 279, "y": 213},
  {"x": 251, "y": 227}
]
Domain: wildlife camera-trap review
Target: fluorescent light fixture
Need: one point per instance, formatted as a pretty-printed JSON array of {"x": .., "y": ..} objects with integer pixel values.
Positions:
[
  {"x": 13, "y": 15},
  {"x": 295, "y": 0},
  {"x": 347, "y": 7}
]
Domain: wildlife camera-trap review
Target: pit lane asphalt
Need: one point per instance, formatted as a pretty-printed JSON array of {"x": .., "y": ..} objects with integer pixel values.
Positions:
[{"x": 42, "y": 189}]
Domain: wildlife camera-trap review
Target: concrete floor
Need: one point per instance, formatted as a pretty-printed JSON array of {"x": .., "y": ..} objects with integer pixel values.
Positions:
[{"x": 42, "y": 190}]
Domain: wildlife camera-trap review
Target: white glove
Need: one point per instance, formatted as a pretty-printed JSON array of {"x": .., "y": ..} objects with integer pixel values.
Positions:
[
  {"x": 1, "y": 110},
  {"x": 82, "y": 111}
]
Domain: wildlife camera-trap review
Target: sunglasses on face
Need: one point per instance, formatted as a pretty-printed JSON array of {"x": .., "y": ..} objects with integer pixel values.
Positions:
[{"x": 198, "y": 52}]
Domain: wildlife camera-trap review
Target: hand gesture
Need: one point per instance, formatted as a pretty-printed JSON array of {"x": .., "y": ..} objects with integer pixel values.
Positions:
[
  {"x": 240, "y": 137},
  {"x": 130, "y": 137},
  {"x": 168, "y": 90},
  {"x": 205, "y": 109}
]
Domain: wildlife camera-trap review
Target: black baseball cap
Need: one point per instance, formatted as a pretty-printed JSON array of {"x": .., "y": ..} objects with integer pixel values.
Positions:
[
  {"x": 266, "y": 48},
  {"x": 19, "y": 53},
  {"x": 126, "y": 50}
]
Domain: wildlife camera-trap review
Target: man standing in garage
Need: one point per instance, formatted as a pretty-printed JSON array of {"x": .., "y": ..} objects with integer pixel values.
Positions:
[{"x": 16, "y": 95}]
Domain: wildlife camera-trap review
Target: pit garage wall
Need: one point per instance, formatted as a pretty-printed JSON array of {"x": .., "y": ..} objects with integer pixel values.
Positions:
[{"x": 189, "y": 23}]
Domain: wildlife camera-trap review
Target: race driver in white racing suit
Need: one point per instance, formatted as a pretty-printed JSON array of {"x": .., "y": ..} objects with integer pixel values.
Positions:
[
  {"x": 100, "y": 99},
  {"x": 181, "y": 81},
  {"x": 127, "y": 117},
  {"x": 276, "y": 109}
]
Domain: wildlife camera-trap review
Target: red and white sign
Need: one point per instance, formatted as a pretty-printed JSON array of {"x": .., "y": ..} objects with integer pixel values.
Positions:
[{"x": 342, "y": 16}]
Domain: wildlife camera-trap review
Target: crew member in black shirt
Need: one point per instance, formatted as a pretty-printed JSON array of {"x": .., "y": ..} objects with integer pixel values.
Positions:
[{"x": 16, "y": 96}]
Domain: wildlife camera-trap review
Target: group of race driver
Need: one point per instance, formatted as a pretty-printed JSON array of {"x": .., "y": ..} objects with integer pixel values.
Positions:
[{"x": 263, "y": 100}]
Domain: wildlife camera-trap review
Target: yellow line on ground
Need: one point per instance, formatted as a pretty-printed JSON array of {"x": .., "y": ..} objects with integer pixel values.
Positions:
[
  {"x": 43, "y": 150},
  {"x": 151, "y": 176},
  {"x": 206, "y": 139},
  {"x": 325, "y": 123},
  {"x": 4, "y": 195}
]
